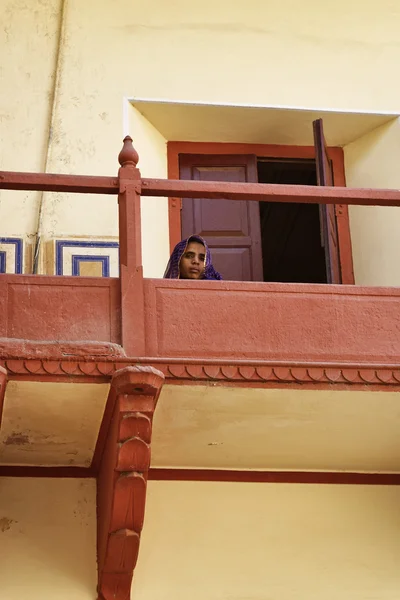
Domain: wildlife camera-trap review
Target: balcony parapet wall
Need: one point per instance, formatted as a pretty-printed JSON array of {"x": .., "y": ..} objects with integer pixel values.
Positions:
[
  {"x": 275, "y": 322},
  {"x": 202, "y": 320}
]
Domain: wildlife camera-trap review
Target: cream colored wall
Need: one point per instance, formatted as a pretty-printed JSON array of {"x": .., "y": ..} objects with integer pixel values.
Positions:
[
  {"x": 47, "y": 539},
  {"x": 28, "y": 48},
  {"x": 373, "y": 162},
  {"x": 152, "y": 149},
  {"x": 333, "y": 54},
  {"x": 329, "y": 55},
  {"x": 275, "y": 541}
]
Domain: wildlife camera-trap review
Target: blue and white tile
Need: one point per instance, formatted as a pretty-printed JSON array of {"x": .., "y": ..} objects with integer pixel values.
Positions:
[
  {"x": 87, "y": 257},
  {"x": 11, "y": 255}
]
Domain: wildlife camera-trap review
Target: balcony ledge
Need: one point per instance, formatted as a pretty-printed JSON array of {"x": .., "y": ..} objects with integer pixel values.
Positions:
[{"x": 196, "y": 330}]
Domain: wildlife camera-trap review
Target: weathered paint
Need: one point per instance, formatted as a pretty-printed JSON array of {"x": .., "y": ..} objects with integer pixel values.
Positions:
[
  {"x": 51, "y": 423},
  {"x": 28, "y": 49}
]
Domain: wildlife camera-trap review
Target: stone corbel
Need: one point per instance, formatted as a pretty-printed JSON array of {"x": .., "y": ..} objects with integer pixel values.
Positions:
[{"x": 122, "y": 479}]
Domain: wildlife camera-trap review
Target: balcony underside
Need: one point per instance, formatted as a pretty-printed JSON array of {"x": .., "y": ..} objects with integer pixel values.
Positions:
[
  {"x": 276, "y": 429},
  {"x": 213, "y": 426}
]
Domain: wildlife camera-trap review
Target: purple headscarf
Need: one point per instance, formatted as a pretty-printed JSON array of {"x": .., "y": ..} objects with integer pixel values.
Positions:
[{"x": 172, "y": 270}]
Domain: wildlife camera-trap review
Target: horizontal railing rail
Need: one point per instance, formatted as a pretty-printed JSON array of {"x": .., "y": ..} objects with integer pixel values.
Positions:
[
  {"x": 49, "y": 182},
  {"x": 269, "y": 192},
  {"x": 260, "y": 192}
]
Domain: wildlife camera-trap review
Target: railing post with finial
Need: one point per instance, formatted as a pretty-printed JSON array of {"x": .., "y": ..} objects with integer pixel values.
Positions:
[{"x": 130, "y": 252}]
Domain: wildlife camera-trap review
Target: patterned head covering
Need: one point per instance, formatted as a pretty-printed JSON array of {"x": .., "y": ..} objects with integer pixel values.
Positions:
[{"x": 172, "y": 270}]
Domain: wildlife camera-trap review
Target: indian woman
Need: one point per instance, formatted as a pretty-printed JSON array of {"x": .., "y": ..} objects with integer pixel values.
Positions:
[{"x": 191, "y": 259}]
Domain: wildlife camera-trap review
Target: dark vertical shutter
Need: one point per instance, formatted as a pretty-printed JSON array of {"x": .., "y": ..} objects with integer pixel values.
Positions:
[{"x": 327, "y": 212}]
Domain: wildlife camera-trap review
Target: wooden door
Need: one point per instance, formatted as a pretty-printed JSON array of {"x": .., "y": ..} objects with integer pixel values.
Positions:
[
  {"x": 231, "y": 228},
  {"x": 329, "y": 235}
]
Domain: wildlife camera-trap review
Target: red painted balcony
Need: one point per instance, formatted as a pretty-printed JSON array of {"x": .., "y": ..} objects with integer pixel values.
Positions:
[
  {"x": 225, "y": 333},
  {"x": 219, "y": 333},
  {"x": 235, "y": 321}
]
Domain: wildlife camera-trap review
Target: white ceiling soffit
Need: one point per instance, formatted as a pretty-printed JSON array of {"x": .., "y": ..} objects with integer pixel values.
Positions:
[{"x": 182, "y": 121}]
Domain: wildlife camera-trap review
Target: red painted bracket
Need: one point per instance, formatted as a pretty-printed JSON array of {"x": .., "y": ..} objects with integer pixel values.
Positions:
[{"x": 122, "y": 479}]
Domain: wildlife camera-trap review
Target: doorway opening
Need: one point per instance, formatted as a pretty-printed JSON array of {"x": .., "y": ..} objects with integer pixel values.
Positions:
[
  {"x": 292, "y": 251},
  {"x": 240, "y": 233}
]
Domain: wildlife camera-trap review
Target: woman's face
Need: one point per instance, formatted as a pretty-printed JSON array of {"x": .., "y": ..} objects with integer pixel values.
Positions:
[{"x": 192, "y": 263}]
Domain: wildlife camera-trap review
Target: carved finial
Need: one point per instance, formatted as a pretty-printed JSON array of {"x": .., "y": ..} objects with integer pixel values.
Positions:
[{"x": 128, "y": 155}]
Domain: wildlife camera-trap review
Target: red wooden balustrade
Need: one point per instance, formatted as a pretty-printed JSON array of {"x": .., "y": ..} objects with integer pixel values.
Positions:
[
  {"x": 128, "y": 159},
  {"x": 128, "y": 326},
  {"x": 262, "y": 192}
]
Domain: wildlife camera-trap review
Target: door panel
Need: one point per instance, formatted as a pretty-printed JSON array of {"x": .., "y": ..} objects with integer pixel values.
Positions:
[
  {"x": 235, "y": 264},
  {"x": 221, "y": 217},
  {"x": 329, "y": 236},
  {"x": 231, "y": 228}
]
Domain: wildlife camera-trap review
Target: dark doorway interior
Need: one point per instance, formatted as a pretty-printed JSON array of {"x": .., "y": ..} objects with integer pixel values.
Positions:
[{"x": 290, "y": 233}]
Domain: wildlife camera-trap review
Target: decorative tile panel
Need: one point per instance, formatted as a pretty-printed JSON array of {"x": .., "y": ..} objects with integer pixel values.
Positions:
[
  {"x": 3, "y": 260},
  {"x": 11, "y": 255},
  {"x": 87, "y": 258}
]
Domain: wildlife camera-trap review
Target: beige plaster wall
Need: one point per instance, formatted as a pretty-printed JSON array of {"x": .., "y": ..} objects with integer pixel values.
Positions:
[
  {"x": 47, "y": 539},
  {"x": 269, "y": 541},
  {"x": 29, "y": 36},
  {"x": 329, "y": 55},
  {"x": 152, "y": 149},
  {"x": 372, "y": 161},
  {"x": 224, "y": 51}
]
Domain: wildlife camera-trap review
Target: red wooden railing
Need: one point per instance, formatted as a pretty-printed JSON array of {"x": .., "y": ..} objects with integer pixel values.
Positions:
[
  {"x": 130, "y": 186},
  {"x": 128, "y": 159}
]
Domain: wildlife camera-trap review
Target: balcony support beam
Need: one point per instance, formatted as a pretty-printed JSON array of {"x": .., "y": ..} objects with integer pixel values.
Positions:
[{"x": 122, "y": 479}]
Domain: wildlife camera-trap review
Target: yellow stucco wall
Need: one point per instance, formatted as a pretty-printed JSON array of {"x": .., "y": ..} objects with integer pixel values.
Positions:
[
  {"x": 29, "y": 36},
  {"x": 266, "y": 541},
  {"x": 47, "y": 539},
  {"x": 275, "y": 53},
  {"x": 317, "y": 55},
  {"x": 373, "y": 161},
  {"x": 152, "y": 149}
]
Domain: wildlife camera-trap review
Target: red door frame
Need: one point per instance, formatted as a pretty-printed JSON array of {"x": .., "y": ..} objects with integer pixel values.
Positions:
[{"x": 174, "y": 149}]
